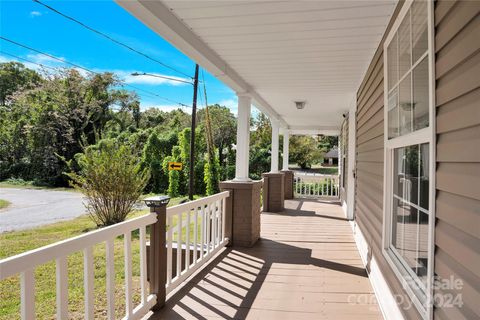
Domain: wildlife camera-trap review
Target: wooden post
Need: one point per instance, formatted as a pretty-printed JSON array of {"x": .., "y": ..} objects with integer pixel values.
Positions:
[{"x": 158, "y": 255}]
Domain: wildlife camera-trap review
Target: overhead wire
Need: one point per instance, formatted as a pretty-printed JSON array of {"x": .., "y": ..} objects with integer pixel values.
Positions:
[
  {"x": 88, "y": 70},
  {"x": 27, "y": 60},
  {"x": 113, "y": 39}
]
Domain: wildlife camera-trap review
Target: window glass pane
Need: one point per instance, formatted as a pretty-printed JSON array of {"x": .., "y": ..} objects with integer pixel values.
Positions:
[
  {"x": 419, "y": 29},
  {"x": 397, "y": 223},
  {"x": 405, "y": 106},
  {"x": 410, "y": 174},
  {"x": 420, "y": 95},
  {"x": 392, "y": 60},
  {"x": 410, "y": 215},
  {"x": 424, "y": 178},
  {"x": 393, "y": 114},
  {"x": 404, "y": 47}
]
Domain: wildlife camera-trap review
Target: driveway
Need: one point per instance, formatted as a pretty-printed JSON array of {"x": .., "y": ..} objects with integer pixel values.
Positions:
[{"x": 32, "y": 208}]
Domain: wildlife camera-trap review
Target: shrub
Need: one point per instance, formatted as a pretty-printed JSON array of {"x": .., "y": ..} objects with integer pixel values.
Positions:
[
  {"x": 112, "y": 180},
  {"x": 211, "y": 175}
]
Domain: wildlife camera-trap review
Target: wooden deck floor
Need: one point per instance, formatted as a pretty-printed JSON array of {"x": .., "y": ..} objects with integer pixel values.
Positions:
[{"x": 306, "y": 266}]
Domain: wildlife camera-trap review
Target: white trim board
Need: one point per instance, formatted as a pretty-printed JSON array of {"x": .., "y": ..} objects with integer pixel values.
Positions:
[{"x": 385, "y": 297}]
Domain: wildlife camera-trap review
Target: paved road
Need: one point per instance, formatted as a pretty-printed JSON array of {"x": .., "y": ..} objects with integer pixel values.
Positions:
[{"x": 32, "y": 208}]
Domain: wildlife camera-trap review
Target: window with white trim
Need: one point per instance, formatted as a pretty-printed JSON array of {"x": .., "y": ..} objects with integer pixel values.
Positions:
[{"x": 409, "y": 139}]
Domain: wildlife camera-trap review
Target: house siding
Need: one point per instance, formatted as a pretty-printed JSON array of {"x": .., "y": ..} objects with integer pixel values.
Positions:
[
  {"x": 369, "y": 170},
  {"x": 457, "y": 231}
]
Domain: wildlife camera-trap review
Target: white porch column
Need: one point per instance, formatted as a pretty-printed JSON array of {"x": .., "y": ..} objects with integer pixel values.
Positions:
[
  {"x": 275, "y": 144},
  {"x": 243, "y": 137},
  {"x": 286, "y": 142},
  {"x": 351, "y": 162}
]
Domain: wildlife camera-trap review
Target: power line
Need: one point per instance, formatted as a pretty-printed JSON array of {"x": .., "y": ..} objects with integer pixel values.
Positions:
[
  {"x": 29, "y": 61},
  {"x": 46, "y": 54},
  {"x": 88, "y": 70},
  {"x": 112, "y": 39},
  {"x": 135, "y": 74}
]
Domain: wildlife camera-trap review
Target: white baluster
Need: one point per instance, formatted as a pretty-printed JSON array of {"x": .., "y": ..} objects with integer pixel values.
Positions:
[
  {"x": 179, "y": 244},
  {"x": 110, "y": 270},
  {"x": 214, "y": 225},
  {"x": 27, "y": 294},
  {"x": 208, "y": 233},
  {"x": 62, "y": 287},
  {"x": 224, "y": 211},
  {"x": 195, "y": 235},
  {"x": 169, "y": 250},
  {"x": 202, "y": 232},
  {"x": 127, "y": 241},
  {"x": 88, "y": 282},
  {"x": 143, "y": 265},
  {"x": 187, "y": 241}
]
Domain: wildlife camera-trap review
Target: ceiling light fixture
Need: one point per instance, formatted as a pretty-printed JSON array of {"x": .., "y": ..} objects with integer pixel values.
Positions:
[{"x": 300, "y": 104}]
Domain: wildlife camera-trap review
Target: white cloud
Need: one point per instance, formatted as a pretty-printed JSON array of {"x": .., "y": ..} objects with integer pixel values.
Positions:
[
  {"x": 34, "y": 14},
  {"x": 151, "y": 79},
  {"x": 231, "y": 104},
  {"x": 28, "y": 65},
  {"x": 46, "y": 60}
]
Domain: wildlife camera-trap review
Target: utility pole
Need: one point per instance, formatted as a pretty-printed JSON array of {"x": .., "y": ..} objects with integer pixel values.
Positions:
[{"x": 192, "y": 135}]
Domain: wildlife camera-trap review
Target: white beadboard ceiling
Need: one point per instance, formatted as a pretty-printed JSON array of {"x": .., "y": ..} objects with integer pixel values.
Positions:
[{"x": 282, "y": 51}]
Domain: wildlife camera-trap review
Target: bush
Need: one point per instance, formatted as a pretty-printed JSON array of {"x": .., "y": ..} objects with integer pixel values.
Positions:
[{"x": 112, "y": 180}]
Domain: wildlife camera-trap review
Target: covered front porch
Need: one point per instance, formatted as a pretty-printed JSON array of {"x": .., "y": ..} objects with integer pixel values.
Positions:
[{"x": 305, "y": 266}]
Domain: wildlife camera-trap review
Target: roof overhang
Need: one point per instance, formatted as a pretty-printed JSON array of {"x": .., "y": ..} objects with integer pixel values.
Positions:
[{"x": 277, "y": 52}]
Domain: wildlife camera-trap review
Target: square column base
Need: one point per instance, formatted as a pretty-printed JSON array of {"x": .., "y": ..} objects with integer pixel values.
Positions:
[
  {"x": 273, "y": 192},
  {"x": 243, "y": 212},
  {"x": 288, "y": 183}
]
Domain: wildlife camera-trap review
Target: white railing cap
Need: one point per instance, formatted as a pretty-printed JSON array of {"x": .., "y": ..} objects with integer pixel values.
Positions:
[
  {"x": 196, "y": 203},
  {"x": 26, "y": 260}
]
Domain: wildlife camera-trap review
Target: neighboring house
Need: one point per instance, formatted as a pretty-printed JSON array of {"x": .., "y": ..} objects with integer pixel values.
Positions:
[
  {"x": 331, "y": 157},
  {"x": 405, "y": 76}
]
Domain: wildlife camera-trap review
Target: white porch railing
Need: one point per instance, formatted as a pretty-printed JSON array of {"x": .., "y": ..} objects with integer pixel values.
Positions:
[
  {"x": 25, "y": 264},
  {"x": 316, "y": 185},
  {"x": 204, "y": 218},
  {"x": 197, "y": 234}
]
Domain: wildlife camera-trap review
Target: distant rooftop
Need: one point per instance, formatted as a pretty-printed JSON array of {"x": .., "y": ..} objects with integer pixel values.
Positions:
[{"x": 333, "y": 153}]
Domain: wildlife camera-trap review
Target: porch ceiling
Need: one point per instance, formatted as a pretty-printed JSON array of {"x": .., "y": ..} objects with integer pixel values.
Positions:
[{"x": 280, "y": 52}]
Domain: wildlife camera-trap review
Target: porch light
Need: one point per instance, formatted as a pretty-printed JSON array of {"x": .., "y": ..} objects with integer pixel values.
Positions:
[
  {"x": 300, "y": 104},
  {"x": 157, "y": 201}
]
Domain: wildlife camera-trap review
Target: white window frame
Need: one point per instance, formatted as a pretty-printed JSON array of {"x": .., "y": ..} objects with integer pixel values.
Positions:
[{"x": 425, "y": 135}]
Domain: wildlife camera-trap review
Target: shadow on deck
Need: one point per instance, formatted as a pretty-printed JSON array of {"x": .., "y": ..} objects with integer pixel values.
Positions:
[{"x": 306, "y": 266}]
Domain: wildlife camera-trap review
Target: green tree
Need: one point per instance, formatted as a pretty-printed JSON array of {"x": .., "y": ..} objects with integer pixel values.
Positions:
[
  {"x": 112, "y": 180},
  {"x": 173, "y": 175},
  {"x": 224, "y": 131},
  {"x": 15, "y": 77},
  {"x": 304, "y": 151}
]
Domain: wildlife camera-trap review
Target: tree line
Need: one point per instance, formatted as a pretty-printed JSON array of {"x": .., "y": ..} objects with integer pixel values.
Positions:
[{"x": 48, "y": 122}]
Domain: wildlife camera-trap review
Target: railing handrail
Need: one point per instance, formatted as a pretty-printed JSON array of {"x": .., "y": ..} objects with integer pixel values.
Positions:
[
  {"x": 171, "y": 211},
  {"x": 326, "y": 175},
  {"x": 29, "y": 259}
]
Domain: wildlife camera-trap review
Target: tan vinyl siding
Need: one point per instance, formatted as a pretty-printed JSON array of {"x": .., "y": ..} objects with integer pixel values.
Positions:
[
  {"x": 457, "y": 232},
  {"x": 369, "y": 168}
]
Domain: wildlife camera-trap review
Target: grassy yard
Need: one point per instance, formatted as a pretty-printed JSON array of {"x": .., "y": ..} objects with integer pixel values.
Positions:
[
  {"x": 22, "y": 184},
  {"x": 4, "y": 203},
  {"x": 13, "y": 243},
  {"x": 316, "y": 168}
]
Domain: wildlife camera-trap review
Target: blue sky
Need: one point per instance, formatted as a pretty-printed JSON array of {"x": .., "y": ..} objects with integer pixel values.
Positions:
[{"x": 31, "y": 24}]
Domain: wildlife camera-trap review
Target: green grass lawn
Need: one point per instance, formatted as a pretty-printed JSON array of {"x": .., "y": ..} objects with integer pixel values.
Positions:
[
  {"x": 12, "y": 243},
  {"x": 316, "y": 168},
  {"x": 22, "y": 184},
  {"x": 4, "y": 203}
]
